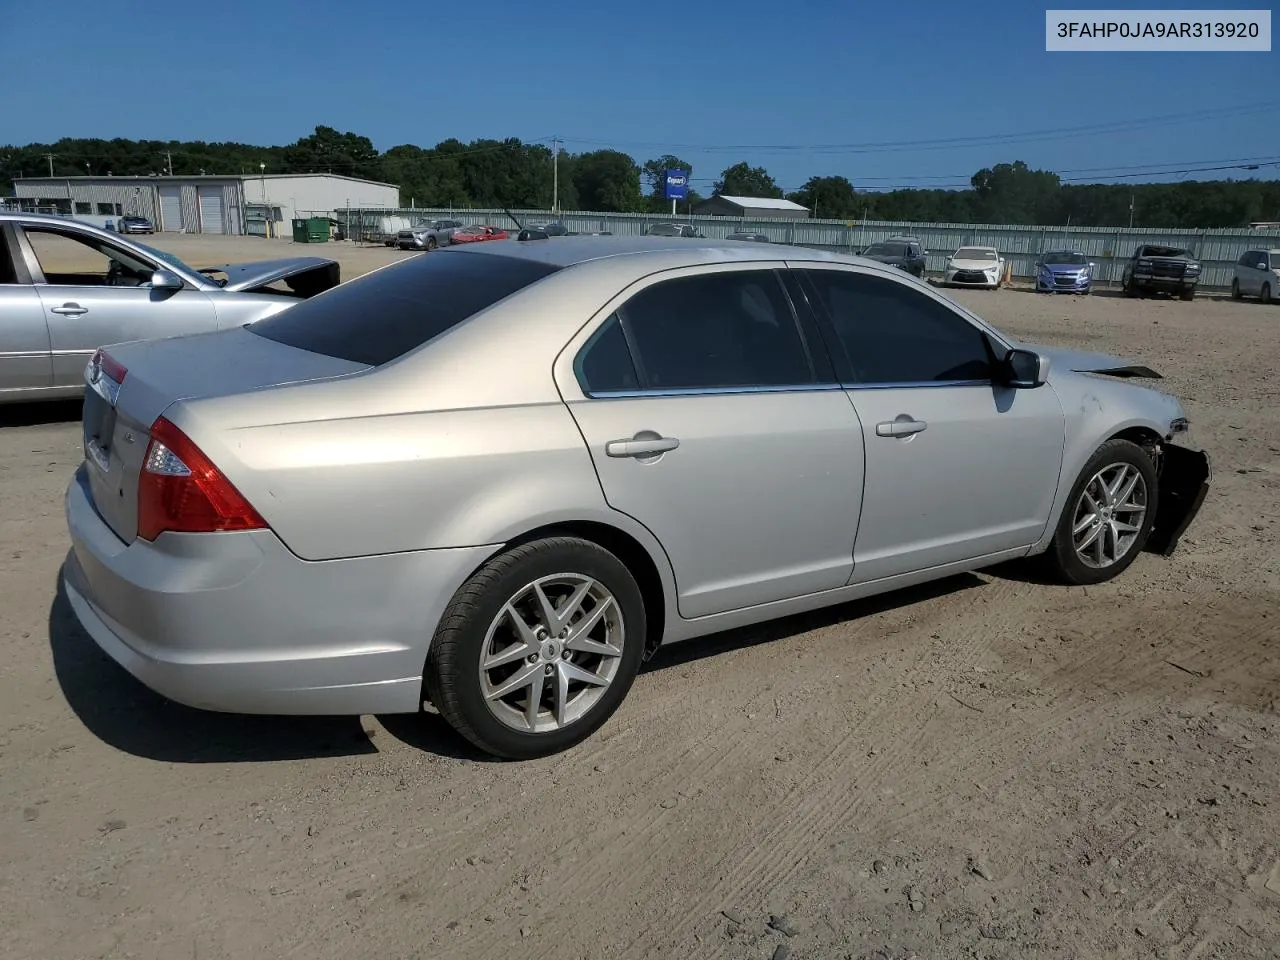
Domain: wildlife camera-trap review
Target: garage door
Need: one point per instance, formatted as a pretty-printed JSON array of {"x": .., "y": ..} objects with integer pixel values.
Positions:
[
  {"x": 210, "y": 209},
  {"x": 171, "y": 208}
]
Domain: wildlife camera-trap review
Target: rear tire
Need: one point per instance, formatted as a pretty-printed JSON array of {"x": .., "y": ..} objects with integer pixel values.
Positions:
[
  {"x": 499, "y": 646},
  {"x": 1128, "y": 288},
  {"x": 1235, "y": 289},
  {"x": 1107, "y": 517}
]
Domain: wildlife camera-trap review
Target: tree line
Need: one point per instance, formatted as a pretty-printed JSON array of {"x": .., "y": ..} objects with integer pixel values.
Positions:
[{"x": 515, "y": 174}]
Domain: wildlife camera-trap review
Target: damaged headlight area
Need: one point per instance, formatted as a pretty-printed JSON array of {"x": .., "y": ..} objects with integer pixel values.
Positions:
[{"x": 1183, "y": 477}]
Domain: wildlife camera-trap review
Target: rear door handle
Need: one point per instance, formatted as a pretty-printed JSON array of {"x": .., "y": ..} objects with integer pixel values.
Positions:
[
  {"x": 640, "y": 447},
  {"x": 70, "y": 310},
  {"x": 903, "y": 426}
]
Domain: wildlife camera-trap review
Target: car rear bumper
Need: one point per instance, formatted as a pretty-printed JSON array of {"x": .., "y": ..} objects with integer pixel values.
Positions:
[{"x": 235, "y": 622}]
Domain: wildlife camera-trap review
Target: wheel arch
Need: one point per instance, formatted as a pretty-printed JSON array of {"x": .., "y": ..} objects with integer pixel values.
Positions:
[
  {"x": 1141, "y": 432},
  {"x": 637, "y": 558}
]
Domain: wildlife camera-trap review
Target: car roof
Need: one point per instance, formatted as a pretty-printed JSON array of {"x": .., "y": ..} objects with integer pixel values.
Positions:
[{"x": 571, "y": 250}]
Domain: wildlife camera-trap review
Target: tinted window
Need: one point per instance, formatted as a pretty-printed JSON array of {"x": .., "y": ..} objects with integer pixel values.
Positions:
[
  {"x": 385, "y": 314},
  {"x": 717, "y": 330},
  {"x": 894, "y": 334},
  {"x": 605, "y": 364}
]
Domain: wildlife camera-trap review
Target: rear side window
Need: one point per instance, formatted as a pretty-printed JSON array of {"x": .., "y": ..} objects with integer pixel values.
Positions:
[
  {"x": 733, "y": 329},
  {"x": 376, "y": 318},
  {"x": 605, "y": 364}
]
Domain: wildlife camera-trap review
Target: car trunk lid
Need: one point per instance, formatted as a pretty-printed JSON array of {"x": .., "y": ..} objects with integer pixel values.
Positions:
[{"x": 129, "y": 385}]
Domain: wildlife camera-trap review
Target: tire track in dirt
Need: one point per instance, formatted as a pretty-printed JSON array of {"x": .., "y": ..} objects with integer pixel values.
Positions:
[{"x": 817, "y": 807}]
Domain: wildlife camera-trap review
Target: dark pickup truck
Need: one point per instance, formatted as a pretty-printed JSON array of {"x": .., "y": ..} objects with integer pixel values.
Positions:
[{"x": 1156, "y": 267}]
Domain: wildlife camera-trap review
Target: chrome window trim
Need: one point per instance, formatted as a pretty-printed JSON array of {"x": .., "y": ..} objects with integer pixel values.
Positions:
[
  {"x": 919, "y": 384},
  {"x": 709, "y": 391},
  {"x": 783, "y": 388}
]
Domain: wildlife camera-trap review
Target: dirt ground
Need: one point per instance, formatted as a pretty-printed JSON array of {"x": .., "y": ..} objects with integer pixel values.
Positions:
[{"x": 989, "y": 767}]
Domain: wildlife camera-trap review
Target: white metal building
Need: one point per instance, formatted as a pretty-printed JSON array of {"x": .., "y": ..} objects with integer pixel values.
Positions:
[
  {"x": 752, "y": 208},
  {"x": 205, "y": 204},
  {"x": 279, "y": 198}
]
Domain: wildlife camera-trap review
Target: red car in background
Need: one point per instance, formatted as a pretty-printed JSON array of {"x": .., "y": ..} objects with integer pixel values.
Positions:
[{"x": 476, "y": 234}]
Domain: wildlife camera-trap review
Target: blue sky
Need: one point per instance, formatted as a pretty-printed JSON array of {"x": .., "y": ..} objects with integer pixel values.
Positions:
[{"x": 702, "y": 76}]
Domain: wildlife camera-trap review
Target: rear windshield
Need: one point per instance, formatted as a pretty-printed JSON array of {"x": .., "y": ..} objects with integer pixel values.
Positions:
[{"x": 381, "y": 316}]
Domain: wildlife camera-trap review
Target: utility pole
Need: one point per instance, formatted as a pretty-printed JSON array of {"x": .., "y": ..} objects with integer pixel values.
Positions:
[
  {"x": 169, "y": 160},
  {"x": 555, "y": 175},
  {"x": 49, "y": 157},
  {"x": 1131, "y": 211}
]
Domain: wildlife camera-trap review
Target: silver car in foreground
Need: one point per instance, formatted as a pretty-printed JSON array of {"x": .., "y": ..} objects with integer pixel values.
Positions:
[
  {"x": 498, "y": 478},
  {"x": 67, "y": 287}
]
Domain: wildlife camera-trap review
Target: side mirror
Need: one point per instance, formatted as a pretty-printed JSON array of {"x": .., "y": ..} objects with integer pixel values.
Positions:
[
  {"x": 1092, "y": 265},
  {"x": 1025, "y": 369},
  {"x": 166, "y": 280}
]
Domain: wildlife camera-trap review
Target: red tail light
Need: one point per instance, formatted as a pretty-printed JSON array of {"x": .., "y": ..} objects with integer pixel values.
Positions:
[
  {"x": 103, "y": 364},
  {"x": 181, "y": 490}
]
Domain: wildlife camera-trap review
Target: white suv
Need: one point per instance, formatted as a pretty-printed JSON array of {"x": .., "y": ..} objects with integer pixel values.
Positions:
[{"x": 1257, "y": 275}]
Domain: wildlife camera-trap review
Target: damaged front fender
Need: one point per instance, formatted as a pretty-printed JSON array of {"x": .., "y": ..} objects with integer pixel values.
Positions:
[{"x": 1184, "y": 477}]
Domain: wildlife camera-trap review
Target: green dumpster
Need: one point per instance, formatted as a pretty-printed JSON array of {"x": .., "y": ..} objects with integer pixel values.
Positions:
[{"x": 311, "y": 230}]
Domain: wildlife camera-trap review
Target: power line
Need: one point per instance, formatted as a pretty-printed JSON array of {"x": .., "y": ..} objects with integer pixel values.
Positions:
[{"x": 1095, "y": 129}]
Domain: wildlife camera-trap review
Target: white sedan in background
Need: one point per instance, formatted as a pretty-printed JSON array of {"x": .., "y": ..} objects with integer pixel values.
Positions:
[{"x": 974, "y": 267}]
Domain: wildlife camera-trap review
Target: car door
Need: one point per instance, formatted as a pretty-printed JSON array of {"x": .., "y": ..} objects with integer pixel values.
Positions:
[
  {"x": 957, "y": 467},
  {"x": 712, "y": 422},
  {"x": 94, "y": 292},
  {"x": 24, "y": 338}
]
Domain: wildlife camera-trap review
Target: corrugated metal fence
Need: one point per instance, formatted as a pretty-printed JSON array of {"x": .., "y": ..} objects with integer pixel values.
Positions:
[{"x": 1108, "y": 247}]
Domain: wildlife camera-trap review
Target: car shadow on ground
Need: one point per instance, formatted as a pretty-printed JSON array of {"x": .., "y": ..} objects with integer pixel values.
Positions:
[
  {"x": 125, "y": 714},
  {"x": 40, "y": 414},
  {"x": 678, "y": 654}
]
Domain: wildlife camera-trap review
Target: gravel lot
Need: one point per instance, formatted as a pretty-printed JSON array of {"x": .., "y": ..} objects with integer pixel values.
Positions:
[{"x": 989, "y": 767}]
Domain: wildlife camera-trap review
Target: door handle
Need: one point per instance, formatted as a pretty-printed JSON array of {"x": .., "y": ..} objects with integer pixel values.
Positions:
[
  {"x": 902, "y": 426},
  {"x": 70, "y": 310},
  {"x": 640, "y": 446}
]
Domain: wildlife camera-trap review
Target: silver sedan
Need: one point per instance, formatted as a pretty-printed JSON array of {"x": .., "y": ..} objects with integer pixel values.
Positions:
[
  {"x": 499, "y": 478},
  {"x": 66, "y": 288}
]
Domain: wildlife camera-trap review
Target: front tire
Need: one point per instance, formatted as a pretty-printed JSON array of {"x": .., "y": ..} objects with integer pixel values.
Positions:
[
  {"x": 431, "y": 244},
  {"x": 1107, "y": 518},
  {"x": 1187, "y": 294},
  {"x": 538, "y": 648},
  {"x": 1235, "y": 288},
  {"x": 1265, "y": 295}
]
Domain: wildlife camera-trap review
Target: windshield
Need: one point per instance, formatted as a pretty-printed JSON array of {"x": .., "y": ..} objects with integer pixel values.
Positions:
[
  {"x": 1065, "y": 258},
  {"x": 665, "y": 230},
  {"x": 1158, "y": 251},
  {"x": 169, "y": 258},
  {"x": 886, "y": 250},
  {"x": 974, "y": 253}
]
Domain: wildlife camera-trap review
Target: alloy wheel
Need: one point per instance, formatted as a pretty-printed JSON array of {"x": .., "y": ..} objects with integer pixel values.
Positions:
[
  {"x": 551, "y": 653},
  {"x": 1109, "y": 515}
]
